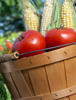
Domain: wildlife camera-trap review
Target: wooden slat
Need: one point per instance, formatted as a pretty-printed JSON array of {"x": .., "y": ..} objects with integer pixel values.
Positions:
[
  {"x": 27, "y": 78},
  {"x": 56, "y": 77},
  {"x": 11, "y": 85},
  {"x": 39, "y": 80},
  {"x": 52, "y": 96},
  {"x": 40, "y": 60},
  {"x": 70, "y": 66},
  {"x": 21, "y": 84}
]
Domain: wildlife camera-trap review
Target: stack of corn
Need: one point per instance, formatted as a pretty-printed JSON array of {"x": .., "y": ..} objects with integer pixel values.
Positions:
[
  {"x": 54, "y": 15},
  {"x": 31, "y": 17},
  {"x": 67, "y": 18}
]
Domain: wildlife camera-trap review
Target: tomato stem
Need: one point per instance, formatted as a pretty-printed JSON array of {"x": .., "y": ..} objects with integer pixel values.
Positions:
[{"x": 21, "y": 38}]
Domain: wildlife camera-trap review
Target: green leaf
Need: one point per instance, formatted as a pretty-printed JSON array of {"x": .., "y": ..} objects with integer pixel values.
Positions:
[
  {"x": 51, "y": 26},
  {"x": 13, "y": 3},
  {"x": 0, "y": 7},
  {"x": 8, "y": 2},
  {"x": 3, "y": 93}
]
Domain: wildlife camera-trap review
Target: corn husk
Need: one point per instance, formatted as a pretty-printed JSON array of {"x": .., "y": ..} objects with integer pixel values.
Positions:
[
  {"x": 29, "y": 4},
  {"x": 74, "y": 12},
  {"x": 56, "y": 19}
]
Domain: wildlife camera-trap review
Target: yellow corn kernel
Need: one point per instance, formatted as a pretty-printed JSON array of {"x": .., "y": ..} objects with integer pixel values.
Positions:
[
  {"x": 31, "y": 20},
  {"x": 67, "y": 15},
  {"x": 47, "y": 16}
]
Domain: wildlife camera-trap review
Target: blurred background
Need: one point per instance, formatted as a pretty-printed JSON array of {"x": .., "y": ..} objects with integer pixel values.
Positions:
[
  {"x": 11, "y": 18},
  {"x": 11, "y": 26}
]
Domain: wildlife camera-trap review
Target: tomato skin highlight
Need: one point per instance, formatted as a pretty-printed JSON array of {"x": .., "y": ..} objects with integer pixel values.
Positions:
[
  {"x": 29, "y": 41},
  {"x": 56, "y": 37}
]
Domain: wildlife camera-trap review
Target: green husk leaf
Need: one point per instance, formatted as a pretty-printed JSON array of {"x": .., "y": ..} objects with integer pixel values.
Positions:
[
  {"x": 51, "y": 26},
  {"x": 3, "y": 93},
  {"x": 74, "y": 13},
  {"x": 56, "y": 19},
  {"x": 29, "y": 4},
  {"x": 75, "y": 20}
]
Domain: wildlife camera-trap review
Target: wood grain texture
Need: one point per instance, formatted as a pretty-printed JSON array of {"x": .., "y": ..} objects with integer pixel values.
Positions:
[
  {"x": 27, "y": 79},
  {"x": 21, "y": 84},
  {"x": 52, "y": 96},
  {"x": 39, "y": 80},
  {"x": 7, "y": 57},
  {"x": 11, "y": 86},
  {"x": 56, "y": 77},
  {"x": 70, "y": 66},
  {"x": 41, "y": 74},
  {"x": 40, "y": 60}
]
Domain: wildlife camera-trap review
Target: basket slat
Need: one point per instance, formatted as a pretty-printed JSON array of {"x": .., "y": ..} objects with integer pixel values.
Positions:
[
  {"x": 52, "y": 96},
  {"x": 39, "y": 80},
  {"x": 47, "y": 76},
  {"x": 21, "y": 84},
  {"x": 11, "y": 85},
  {"x": 70, "y": 66},
  {"x": 27, "y": 78},
  {"x": 56, "y": 77}
]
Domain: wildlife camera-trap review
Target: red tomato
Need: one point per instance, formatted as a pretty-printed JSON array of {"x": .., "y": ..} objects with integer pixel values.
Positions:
[
  {"x": 29, "y": 41},
  {"x": 56, "y": 37}
]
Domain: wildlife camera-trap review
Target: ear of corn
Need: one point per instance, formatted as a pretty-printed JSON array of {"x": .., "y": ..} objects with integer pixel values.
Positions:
[
  {"x": 47, "y": 16},
  {"x": 67, "y": 18},
  {"x": 31, "y": 15},
  {"x": 55, "y": 14},
  {"x": 31, "y": 20}
]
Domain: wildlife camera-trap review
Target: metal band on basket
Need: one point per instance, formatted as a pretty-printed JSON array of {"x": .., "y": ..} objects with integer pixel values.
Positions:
[{"x": 52, "y": 96}]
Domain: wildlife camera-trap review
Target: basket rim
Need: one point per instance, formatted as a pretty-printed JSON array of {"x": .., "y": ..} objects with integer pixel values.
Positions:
[{"x": 38, "y": 60}]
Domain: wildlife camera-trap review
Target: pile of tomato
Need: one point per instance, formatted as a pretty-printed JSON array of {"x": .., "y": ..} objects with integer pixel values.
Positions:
[{"x": 32, "y": 41}]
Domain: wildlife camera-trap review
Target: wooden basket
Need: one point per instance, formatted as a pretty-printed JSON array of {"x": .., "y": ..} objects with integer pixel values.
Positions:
[{"x": 48, "y": 76}]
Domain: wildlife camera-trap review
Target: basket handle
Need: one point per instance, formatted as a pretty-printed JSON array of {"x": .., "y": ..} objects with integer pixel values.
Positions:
[{"x": 6, "y": 57}]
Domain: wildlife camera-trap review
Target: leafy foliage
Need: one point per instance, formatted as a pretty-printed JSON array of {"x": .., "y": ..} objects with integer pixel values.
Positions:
[
  {"x": 12, "y": 37},
  {"x": 3, "y": 93},
  {"x": 11, "y": 17}
]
